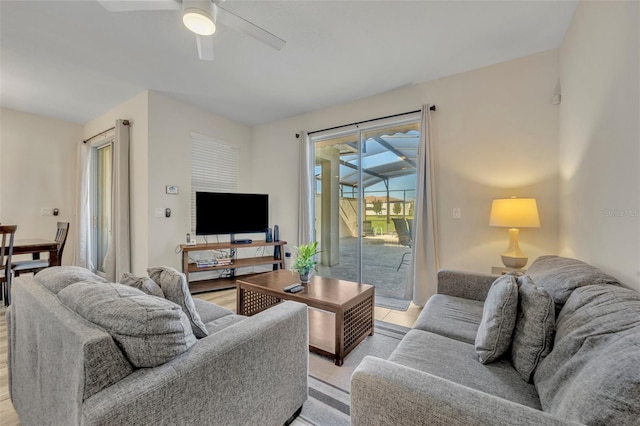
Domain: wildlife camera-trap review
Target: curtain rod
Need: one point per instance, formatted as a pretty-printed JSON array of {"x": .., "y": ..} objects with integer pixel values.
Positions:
[
  {"x": 432, "y": 108},
  {"x": 125, "y": 122}
]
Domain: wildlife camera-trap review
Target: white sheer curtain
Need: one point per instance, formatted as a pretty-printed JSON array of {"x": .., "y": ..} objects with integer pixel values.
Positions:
[
  {"x": 118, "y": 258},
  {"x": 83, "y": 253},
  {"x": 306, "y": 196},
  {"x": 425, "y": 238}
]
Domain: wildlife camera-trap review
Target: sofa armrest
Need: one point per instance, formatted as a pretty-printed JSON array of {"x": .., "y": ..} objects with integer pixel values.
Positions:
[
  {"x": 385, "y": 393},
  {"x": 467, "y": 285},
  {"x": 54, "y": 356},
  {"x": 253, "y": 372}
]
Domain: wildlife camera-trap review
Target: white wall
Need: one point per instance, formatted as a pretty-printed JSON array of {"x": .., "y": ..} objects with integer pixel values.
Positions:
[
  {"x": 161, "y": 156},
  {"x": 495, "y": 134},
  {"x": 38, "y": 169},
  {"x": 600, "y": 139},
  {"x": 170, "y": 125},
  {"x": 136, "y": 110}
]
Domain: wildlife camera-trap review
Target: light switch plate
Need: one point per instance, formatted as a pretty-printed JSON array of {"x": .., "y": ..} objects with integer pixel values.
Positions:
[
  {"x": 159, "y": 212},
  {"x": 456, "y": 213}
]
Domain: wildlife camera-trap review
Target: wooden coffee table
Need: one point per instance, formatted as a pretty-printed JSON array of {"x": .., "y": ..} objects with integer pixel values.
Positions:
[{"x": 340, "y": 314}]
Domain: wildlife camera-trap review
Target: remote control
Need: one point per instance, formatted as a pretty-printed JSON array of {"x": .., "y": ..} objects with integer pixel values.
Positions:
[
  {"x": 290, "y": 287},
  {"x": 295, "y": 289}
]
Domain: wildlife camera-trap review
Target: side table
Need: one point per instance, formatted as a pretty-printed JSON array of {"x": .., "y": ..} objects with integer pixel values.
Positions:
[{"x": 501, "y": 270}]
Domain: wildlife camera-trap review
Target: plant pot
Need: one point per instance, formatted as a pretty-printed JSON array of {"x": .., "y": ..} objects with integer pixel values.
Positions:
[{"x": 304, "y": 277}]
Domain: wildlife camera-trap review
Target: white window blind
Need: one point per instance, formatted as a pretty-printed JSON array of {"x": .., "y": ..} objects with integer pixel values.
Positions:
[{"x": 214, "y": 168}]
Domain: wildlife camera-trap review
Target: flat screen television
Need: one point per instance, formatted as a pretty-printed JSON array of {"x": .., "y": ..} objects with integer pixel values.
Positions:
[{"x": 231, "y": 213}]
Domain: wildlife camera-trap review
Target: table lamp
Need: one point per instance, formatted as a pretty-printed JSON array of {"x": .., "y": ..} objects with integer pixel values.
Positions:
[{"x": 514, "y": 213}]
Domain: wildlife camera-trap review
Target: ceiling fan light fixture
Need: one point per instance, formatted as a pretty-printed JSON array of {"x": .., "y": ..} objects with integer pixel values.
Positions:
[{"x": 199, "y": 16}]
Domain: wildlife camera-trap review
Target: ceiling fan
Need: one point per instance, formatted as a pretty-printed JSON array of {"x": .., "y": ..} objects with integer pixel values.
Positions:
[{"x": 201, "y": 17}]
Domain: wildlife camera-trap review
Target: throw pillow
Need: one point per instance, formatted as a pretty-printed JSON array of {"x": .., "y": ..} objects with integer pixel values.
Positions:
[
  {"x": 144, "y": 284},
  {"x": 149, "y": 330},
  {"x": 498, "y": 319},
  {"x": 176, "y": 289},
  {"x": 535, "y": 327},
  {"x": 560, "y": 276},
  {"x": 592, "y": 375},
  {"x": 56, "y": 278}
]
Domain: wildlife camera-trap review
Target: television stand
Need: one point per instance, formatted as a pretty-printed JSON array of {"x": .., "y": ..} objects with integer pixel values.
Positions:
[{"x": 201, "y": 286}]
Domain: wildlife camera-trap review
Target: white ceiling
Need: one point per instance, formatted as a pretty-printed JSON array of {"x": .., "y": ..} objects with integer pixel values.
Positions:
[{"x": 74, "y": 60}]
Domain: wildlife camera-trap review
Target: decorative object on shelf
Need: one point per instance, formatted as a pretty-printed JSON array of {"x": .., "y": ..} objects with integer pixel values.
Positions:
[
  {"x": 305, "y": 261},
  {"x": 276, "y": 250},
  {"x": 514, "y": 213}
]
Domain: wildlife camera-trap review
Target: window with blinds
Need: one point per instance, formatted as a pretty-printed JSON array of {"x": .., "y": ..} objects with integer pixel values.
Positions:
[{"x": 214, "y": 168}]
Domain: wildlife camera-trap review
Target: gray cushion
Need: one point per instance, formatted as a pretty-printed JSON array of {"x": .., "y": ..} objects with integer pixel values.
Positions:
[
  {"x": 592, "y": 375},
  {"x": 498, "y": 319},
  {"x": 210, "y": 311},
  {"x": 144, "y": 284},
  {"x": 175, "y": 287},
  {"x": 532, "y": 338},
  {"x": 58, "y": 277},
  {"x": 457, "y": 361},
  {"x": 149, "y": 330},
  {"x": 53, "y": 335},
  {"x": 561, "y": 275},
  {"x": 451, "y": 316}
]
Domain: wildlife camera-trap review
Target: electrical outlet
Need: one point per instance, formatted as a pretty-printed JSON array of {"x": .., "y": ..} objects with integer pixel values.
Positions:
[
  {"x": 46, "y": 212},
  {"x": 456, "y": 213}
]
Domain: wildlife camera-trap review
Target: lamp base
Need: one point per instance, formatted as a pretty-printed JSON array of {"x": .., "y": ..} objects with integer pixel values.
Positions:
[
  {"x": 515, "y": 262},
  {"x": 514, "y": 257}
]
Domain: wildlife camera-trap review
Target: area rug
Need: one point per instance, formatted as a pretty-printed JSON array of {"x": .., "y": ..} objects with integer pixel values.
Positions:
[{"x": 329, "y": 385}]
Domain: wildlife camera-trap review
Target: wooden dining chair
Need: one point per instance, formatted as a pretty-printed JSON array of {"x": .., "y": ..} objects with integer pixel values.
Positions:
[
  {"x": 36, "y": 264},
  {"x": 6, "y": 251}
]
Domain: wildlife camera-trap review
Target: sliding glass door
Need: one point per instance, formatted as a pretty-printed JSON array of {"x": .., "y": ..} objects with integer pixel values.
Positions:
[
  {"x": 365, "y": 193},
  {"x": 338, "y": 207}
]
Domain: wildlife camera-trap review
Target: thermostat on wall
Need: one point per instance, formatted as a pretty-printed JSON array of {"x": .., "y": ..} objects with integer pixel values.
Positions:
[{"x": 172, "y": 189}]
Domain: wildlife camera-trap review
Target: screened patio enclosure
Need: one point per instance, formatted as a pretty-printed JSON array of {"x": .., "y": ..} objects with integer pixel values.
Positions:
[{"x": 365, "y": 185}]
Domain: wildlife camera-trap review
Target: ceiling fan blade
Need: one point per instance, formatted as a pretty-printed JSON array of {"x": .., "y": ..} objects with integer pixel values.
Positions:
[
  {"x": 134, "y": 5},
  {"x": 237, "y": 23},
  {"x": 205, "y": 47}
]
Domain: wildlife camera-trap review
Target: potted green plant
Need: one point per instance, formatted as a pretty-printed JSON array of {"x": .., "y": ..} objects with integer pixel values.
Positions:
[{"x": 305, "y": 261}]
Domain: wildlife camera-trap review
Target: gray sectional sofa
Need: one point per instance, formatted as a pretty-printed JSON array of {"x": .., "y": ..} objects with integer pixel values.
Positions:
[
  {"x": 64, "y": 369},
  {"x": 590, "y": 376}
]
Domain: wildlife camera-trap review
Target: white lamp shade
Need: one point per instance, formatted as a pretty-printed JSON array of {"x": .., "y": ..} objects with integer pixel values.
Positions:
[
  {"x": 514, "y": 213},
  {"x": 199, "y": 16}
]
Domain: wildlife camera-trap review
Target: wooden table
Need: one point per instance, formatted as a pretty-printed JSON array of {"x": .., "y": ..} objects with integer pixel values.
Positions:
[
  {"x": 340, "y": 314},
  {"x": 37, "y": 246}
]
